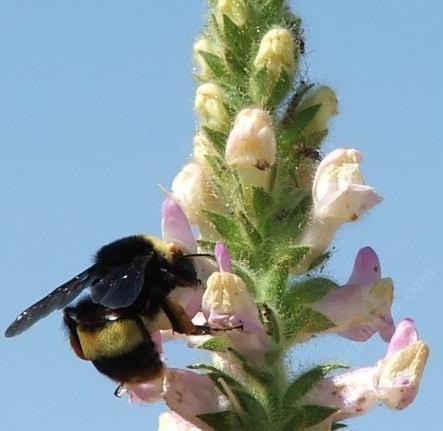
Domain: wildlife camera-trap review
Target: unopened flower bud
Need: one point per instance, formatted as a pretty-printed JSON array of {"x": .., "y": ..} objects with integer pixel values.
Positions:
[
  {"x": 325, "y": 97},
  {"x": 252, "y": 140},
  {"x": 233, "y": 9},
  {"x": 210, "y": 103},
  {"x": 189, "y": 190},
  {"x": 251, "y": 147},
  {"x": 276, "y": 52}
]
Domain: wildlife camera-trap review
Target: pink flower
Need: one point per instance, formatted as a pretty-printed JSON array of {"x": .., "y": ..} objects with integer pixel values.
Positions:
[
  {"x": 190, "y": 394},
  {"x": 176, "y": 228},
  {"x": 393, "y": 381},
  {"x": 171, "y": 421},
  {"x": 339, "y": 196},
  {"x": 363, "y": 306},
  {"x": 226, "y": 302}
]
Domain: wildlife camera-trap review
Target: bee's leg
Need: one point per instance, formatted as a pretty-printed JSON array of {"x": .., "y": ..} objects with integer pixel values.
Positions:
[
  {"x": 206, "y": 330},
  {"x": 180, "y": 321}
]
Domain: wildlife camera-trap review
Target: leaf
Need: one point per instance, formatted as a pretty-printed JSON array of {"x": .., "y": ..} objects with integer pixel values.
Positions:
[
  {"x": 261, "y": 200},
  {"x": 253, "y": 234},
  {"x": 313, "y": 415},
  {"x": 305, "y": 382},
  {"x": 258, "y": 86},
  {"x": 309, "y": 291},
  {"x": 254, "y": 412},
  {"x": 220, "y": 343},
  {"x": 270, "y": 9},
  {"x": 302, "y": 119},
  {"x": 315, "y": 322},
  {"x": 260, "y": 376},
  {"x": 238, "y": 43},
  {"x": 227, "y": 227},
  {"x": 216, "y": 64},
  {"x": 307, "y": 416},
  {"x": 279, "y": 91},
  {"x": 220, "y": 421},
  {"x": 218, "y": 139}
]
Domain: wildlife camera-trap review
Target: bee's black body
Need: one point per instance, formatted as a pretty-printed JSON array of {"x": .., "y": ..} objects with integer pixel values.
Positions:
[{"x": 129, "y": 284}]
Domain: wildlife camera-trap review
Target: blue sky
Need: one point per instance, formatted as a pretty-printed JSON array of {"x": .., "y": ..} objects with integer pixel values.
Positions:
[{"x": 96, "y": 110}]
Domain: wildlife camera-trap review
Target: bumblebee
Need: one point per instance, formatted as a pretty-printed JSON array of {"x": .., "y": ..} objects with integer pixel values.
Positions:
[{"x": 128, "y": 286}]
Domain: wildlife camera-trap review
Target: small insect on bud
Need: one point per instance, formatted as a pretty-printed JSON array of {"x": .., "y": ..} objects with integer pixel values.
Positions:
[
  {"x": 210, "y": 105},
  {"x": 233, "y": 9},
  {"x": 276, "y": 52},
  {"x": 326, "y": 98}
]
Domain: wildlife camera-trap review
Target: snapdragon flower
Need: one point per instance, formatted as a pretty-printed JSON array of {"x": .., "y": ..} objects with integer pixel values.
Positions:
[
  {"x": 339, "y": 196},
  {"x": 394, "y": 381},
  {"x": 363, "y": 306}
]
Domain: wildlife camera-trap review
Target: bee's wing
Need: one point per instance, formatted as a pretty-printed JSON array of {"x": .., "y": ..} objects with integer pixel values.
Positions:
[
  {"x": 122, "y": 285},
  {"x": 57, "y": 299}
]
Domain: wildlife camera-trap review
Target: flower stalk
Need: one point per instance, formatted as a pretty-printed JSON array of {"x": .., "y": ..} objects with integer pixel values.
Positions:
[{"x": 268, "y": 204}]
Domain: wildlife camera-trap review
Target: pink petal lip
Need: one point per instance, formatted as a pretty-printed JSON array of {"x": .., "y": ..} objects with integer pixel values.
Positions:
[
  {"x": 367, "y": 268},
  {"x": 175, "y": 226},
  {"x": 405, "y": 334}
]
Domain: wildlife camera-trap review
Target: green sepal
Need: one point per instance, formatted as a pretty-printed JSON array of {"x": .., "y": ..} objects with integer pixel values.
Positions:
[
  {"x": 238, "y": 45},
  {"x": 259, "y": 376},
  {"x": 218, "y": 139},
  {"x": 254, "y": 414},
  {"x": 305, "y": 382},
  {"x": 279, "y": 91},
  {"x": 314, "y": 322},
  {"x": 216, "y": 64},
  {"x": 227, "y": 227},
  {"x": 303, "y": 321},
  {"x": 309, "y": 291},
  {"x": 308, "y": 416},
  {"x": 221, "y": 343},
  {"x": 261, "y": 201},
  {"x": 221, "y": 421},
  {"x": 270, "y": 10},
  {"x": 251, "y": 231},
  {"x": 293, "y": 131}
]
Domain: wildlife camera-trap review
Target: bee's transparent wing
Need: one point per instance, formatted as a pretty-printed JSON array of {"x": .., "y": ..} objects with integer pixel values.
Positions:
[
  {"x": 122, "y": 285},
  {"x": 57, "y": 299}
]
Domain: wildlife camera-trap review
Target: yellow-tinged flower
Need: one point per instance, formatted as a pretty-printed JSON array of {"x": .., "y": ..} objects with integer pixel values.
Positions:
[
  {"x": 210, "y": 103},
  {"x": 190, "y": 191},
  {"x": 204, "y": 44},
  {"x": 276, "y": 52}
]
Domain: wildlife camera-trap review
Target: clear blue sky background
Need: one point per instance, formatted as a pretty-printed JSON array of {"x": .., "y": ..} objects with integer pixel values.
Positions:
[{"x": 96, "y": 109}]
